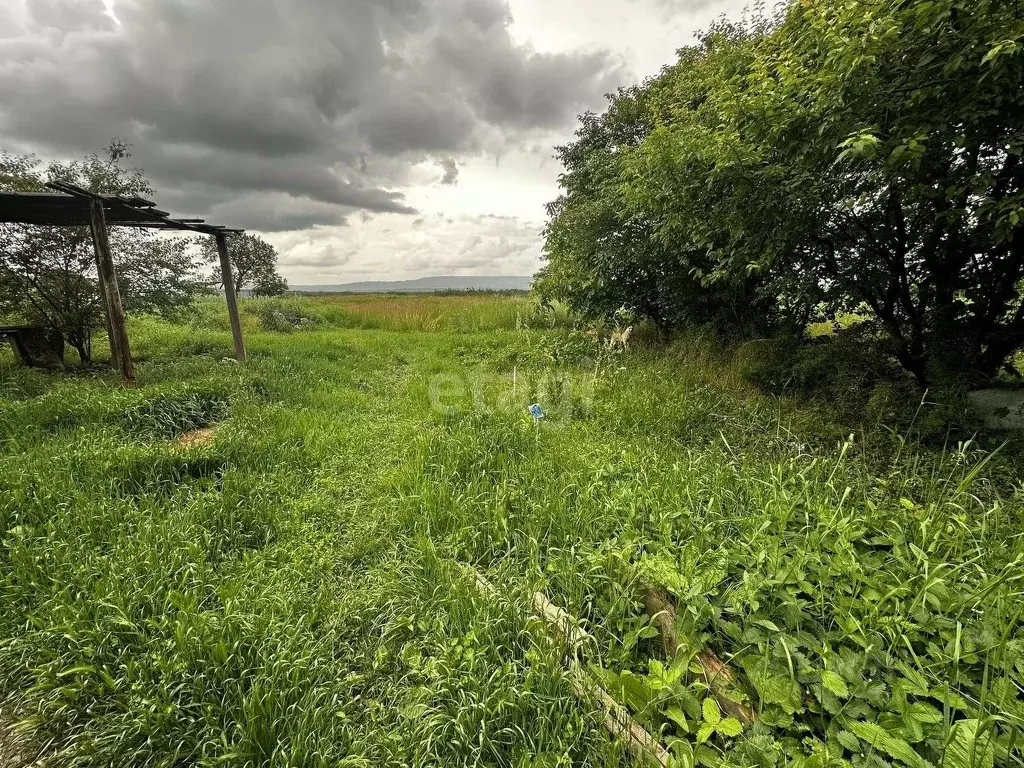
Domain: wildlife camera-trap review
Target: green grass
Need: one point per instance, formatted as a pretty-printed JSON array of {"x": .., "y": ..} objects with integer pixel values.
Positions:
[{"x": 293, "y": 593}]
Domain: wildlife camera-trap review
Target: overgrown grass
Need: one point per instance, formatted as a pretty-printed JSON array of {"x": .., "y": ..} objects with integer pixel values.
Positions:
[
  {"x": 292, "y": 594},
  {"x": 471, "y": 312}
]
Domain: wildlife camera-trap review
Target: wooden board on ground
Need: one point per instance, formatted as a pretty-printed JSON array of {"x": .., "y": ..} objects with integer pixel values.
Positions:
[{"x": 616, "y": 718}]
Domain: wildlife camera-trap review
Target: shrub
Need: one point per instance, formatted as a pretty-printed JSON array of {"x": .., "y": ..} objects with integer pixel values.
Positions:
[
  {"x": 847, "y": 370},
  {"x": 284, "y": 316}
]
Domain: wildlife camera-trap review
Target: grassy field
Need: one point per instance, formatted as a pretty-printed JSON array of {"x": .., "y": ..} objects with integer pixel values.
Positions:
[{"x": 293, "y": 591}]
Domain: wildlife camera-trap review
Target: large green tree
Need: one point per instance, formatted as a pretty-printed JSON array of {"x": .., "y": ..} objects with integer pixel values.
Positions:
[
  {"x": 848, "y": 155},
  {"x": 48, "y": 273},
  {"x": 603, "y": 254}
]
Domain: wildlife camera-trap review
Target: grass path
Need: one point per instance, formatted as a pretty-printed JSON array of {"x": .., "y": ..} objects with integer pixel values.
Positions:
[{"x": 291, "y": 593}]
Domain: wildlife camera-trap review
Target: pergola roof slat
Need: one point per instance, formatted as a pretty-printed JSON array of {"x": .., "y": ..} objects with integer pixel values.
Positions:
[{"x": 69, "y": 205}]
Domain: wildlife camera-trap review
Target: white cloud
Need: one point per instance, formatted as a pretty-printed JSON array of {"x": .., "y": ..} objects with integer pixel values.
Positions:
[{"x": 393, "y": 247}]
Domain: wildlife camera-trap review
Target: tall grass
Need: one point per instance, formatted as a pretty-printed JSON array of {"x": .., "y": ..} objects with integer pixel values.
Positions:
[
  {"x": 460, "y": 313},
  {"x": 291, "y": 594}
]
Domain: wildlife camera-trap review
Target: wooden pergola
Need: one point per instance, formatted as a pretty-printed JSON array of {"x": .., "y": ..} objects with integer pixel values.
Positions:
[{"x": 72, "y": 206}]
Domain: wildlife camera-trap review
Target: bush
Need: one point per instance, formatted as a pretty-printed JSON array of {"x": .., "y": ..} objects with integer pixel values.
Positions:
[
  {"x": 283, "y": 316},
  {"x": 848, "y": 370}
]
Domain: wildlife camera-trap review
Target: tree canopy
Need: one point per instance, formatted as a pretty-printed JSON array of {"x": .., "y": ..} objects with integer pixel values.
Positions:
[
  {"x": 835, "y": 156},
  {"x": 253, "y": 265}
]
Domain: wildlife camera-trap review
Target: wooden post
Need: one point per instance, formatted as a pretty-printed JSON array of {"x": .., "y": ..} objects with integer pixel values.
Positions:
[
  {"x": 229, "y": 293},
  {"x": 119, "y": 346}
]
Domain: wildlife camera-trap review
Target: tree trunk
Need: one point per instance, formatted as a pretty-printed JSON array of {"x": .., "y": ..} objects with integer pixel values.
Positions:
[{"x": 82, "y": 348}]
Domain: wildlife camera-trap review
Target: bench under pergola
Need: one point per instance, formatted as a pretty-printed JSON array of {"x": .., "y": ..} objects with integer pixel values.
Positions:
[{"x": 72, "y": 206}]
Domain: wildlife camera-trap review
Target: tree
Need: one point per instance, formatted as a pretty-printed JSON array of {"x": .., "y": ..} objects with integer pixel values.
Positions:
[
  {"x": 843, "y": 156},
  {"x": 48, "y": 273},
  {"x": 604, "y": 252},
  {"x": 253, "y": 264},
  {"x": 917, "y": 159}
]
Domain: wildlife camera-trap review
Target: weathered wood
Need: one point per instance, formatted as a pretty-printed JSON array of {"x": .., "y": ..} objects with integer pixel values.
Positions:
[
  {"x": 229, "y": 292},
  {"x": 563, "y": 622},
  {"x": 717, "y": 674},
  {"x": 119, "y": 346},
  {"x": 71, "y": 207},
  {"x": 115, "y": 351},
  {"x": 616, "y": 718}
]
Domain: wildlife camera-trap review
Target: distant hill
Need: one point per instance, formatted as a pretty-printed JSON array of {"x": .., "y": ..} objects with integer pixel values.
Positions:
[{"x": 426, "y": 285}]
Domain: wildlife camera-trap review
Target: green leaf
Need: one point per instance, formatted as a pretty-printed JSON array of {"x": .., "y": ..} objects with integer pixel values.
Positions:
[
  {"x": 708, "y": 757},
  {"x": 897, "y": 748},
  {"x": 677, "y": 668},
  {"x": 849, "y": 741},
  {"x": 924, "y": 713},
  {"x": 1006, "y": 46},
  {"x": 682, "y": 752},
  {"x": 636, "y": 691},
  {"x": 705, "y": 732},
  {"x": 81, "y": 669},
  {"x": 913, "y": 731},
  {"x": 677, "y": 716},
  {"x": 773, "y": 684},
  {"x": 730, "y": 727},
  {"x": 712, "y": 714},
  {"x": 969, "y": 746},
  {"x": 949, "y": 697},
  {"x": 913, "y": 681},
  {"x": 835, "y": 683}
]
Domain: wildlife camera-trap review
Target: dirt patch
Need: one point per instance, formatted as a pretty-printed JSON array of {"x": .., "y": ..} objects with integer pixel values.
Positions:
[
  {"x": 197, "y": 438},
  {"x": 14, "y": 751}
]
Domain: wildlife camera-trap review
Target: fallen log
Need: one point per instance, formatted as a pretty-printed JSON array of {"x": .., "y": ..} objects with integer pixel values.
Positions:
[{"x": 615, "y": 717}]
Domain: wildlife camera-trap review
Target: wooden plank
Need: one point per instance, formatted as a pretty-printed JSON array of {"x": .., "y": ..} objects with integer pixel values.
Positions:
[
  {"x": 563, "y": 622},
  {"x": 616, "y": 718},
  {"x": 120, "y": 349},
  {"x": 229, "y": 292}
]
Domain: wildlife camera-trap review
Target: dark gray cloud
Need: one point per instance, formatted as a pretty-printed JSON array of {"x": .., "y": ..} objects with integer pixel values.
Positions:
[
  {"x": 280, "y": 114},
  {"x": 275, "y": 212}
]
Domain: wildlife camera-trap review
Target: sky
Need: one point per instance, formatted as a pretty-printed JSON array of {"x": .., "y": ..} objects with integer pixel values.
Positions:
[{"x": 367, "y": 140}]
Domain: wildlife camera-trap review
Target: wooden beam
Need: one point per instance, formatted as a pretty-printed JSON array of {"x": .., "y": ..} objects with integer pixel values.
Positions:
[
  {"x": 119, "y": 346},
  {"x": 617, "y": 720},
  {"x": 229, "y": 292}
]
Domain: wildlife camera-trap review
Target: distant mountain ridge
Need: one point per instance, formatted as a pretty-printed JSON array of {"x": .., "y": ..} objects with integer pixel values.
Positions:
[{"x": 426, "y": 285}]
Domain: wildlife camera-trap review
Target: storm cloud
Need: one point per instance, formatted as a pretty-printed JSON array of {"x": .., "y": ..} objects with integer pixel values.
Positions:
[
  {"x": 366, "y": 139},
  {"x": 283, "y": 113}
]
